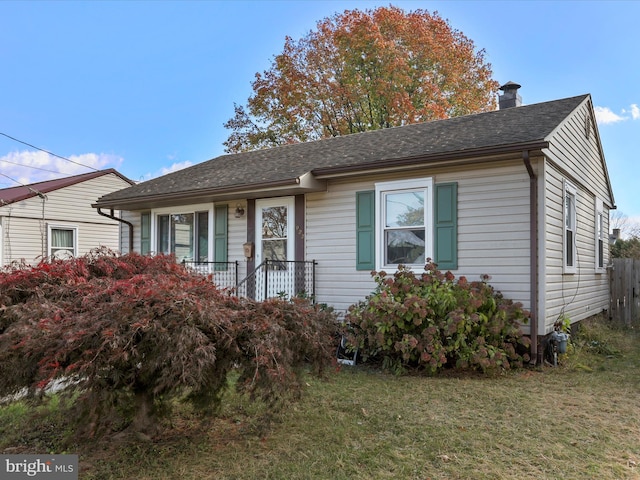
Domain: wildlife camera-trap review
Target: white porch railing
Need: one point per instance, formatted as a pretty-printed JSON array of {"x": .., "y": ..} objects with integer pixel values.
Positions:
[
  {"x": 279, "y": 278},
  {"x": 224, "y": 274}
]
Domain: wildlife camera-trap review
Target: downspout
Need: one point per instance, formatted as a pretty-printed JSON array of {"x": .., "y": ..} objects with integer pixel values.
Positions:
[
  {"x": 113, "y": 217},
  {"x": 533, "y": 255}
]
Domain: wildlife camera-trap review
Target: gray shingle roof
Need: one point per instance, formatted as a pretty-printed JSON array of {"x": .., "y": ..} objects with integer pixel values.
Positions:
[{"x": 282, "y": 165}]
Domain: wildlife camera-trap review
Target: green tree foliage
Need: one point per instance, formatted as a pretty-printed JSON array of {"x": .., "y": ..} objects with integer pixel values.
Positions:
[
  {"x": 629, "y": 248},
  {"x": 360, "y": 71},
  {"x": 429, "y": 322},
  {"x": 131, "y": 333}
]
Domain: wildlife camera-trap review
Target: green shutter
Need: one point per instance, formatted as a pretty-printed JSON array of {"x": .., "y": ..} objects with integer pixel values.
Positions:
[
  {"x": 220, "y": 233},
  {"x": 365, "y": 230},
  {"x": 446, "y": 226},
  {"x": 145, "y": 233}
]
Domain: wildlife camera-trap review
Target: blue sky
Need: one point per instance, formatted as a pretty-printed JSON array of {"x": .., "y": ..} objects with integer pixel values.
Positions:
[{"x": 145, "y": 87}]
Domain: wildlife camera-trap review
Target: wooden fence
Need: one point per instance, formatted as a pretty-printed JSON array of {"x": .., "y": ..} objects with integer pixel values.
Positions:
[{"x": 625, "y": 291}]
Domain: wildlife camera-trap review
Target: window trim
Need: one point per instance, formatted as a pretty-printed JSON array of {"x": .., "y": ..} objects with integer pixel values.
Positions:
[
  {"x": 601, "y": 239},
  {"x": 384, "y": 188},
  {"x": 569, "y": 189},
  {"x": 194, "y": 210},
  {"x": 54, "y": 226}
]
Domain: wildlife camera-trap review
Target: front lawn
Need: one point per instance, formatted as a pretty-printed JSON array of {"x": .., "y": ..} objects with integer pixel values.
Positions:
[{"x": 575, "y": 421}]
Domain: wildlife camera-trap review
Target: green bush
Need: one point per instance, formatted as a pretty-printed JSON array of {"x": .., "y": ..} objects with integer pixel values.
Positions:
[{"x": 429, "y": 321}]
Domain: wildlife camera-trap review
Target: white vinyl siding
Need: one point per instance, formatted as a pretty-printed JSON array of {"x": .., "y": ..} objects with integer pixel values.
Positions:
[
  {"x": 493, "y": 228},
  {"x": 135, "y": 218},
  {"x": 579, "y": 154},
  {"x": 493, "y": 231},
  {"x": 25, "y": 238},
  {"x": 25, "y": 222},
  {"x": 575, "y": 154},
  {"x": 330, "y": 239},
  {"x": 583, "y": 293}
]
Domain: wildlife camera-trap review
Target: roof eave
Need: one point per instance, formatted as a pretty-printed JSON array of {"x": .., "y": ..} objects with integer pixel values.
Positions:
[
  {"x": 290, "y": 186},
  {"x": 467, "y": 156}
]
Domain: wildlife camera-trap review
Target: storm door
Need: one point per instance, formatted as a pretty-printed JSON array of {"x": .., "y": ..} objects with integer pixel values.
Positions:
[{"x": 275, "y": 247}]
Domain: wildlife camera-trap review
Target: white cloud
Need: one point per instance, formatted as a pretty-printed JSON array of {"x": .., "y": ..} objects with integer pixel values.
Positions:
[
  {"x": 174, "y": 167},
  {"x": 30, "y": 166},
  {"x": 604, "y": 116}
]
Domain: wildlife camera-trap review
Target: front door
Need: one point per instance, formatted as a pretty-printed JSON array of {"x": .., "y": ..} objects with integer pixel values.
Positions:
[{"x": 275, "y": 244}]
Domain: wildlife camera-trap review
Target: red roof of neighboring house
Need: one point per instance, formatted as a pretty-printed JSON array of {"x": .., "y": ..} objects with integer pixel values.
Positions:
[{"x": 16, "y": 194}]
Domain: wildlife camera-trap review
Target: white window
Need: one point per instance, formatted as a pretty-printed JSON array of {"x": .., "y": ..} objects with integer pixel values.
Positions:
[
  {"x": 600, "y": 237},
  {"x": 404, "y": 235},
  {"x": 186, "y": 235},
  {"x": 63, "y": 241},
  {"x": 570, "y": 228}
]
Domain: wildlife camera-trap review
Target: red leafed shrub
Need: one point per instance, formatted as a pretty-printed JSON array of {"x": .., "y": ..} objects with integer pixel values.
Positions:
[
  {"x": 429, "y": 321},
  {"x": 130, "y": 333}
]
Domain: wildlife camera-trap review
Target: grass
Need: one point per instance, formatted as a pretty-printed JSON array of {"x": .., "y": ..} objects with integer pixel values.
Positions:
[{"x": 578, "y": 420}]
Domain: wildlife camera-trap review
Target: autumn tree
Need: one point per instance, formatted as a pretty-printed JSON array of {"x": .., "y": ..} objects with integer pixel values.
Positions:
[{"x": 360, "y": 71}]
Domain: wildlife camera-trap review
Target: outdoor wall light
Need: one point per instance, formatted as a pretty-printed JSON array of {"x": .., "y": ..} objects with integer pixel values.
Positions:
[{"x": 239, "y": 211}]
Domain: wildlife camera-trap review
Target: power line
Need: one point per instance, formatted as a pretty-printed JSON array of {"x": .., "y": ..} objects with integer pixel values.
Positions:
[
  {"x": 35, "y": 168},
  {"x": 13, "y": 180},
  {"x": 46, "y": 151},
  {"x": 40, "y": 194}
]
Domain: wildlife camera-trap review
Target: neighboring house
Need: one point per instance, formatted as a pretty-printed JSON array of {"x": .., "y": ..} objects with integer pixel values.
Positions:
[
  {"x": 55, "y": 218},
  {"x": 521, "y": 194}
]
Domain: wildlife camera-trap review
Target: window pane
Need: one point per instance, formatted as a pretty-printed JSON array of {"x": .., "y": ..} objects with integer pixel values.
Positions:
[
  {"x": 62, "y": 243},
  {"x": 600, "y": 253},
  {"x": 569, "y": 248},
  {"x": 274, "y": 222},
  {"x": 405, "y": 209},
  {"x": 405, "y": 246},
  {"x": 600, "y": 225},
  {"x": 163, "y": 234},
  {"x": 182, "y": 236},
  {"x": 274, "y": 250},
  {"x": 569, "y": 212},
  {"x": 61, "y": 238},
  {"x": 145, "y": 233},
  {"x": 203, "y": 236}
]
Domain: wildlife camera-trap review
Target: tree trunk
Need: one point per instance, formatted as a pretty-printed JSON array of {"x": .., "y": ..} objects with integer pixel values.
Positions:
[{"x": 145, "y": 419}]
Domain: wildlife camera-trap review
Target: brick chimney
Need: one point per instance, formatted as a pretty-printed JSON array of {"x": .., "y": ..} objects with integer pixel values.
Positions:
[
  {"x": 510, "y": 97},
  {"x": 615, "y": 236}
]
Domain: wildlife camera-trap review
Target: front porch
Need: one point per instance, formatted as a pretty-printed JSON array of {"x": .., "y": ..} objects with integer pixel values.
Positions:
[{"x": 272, "y": 278}]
